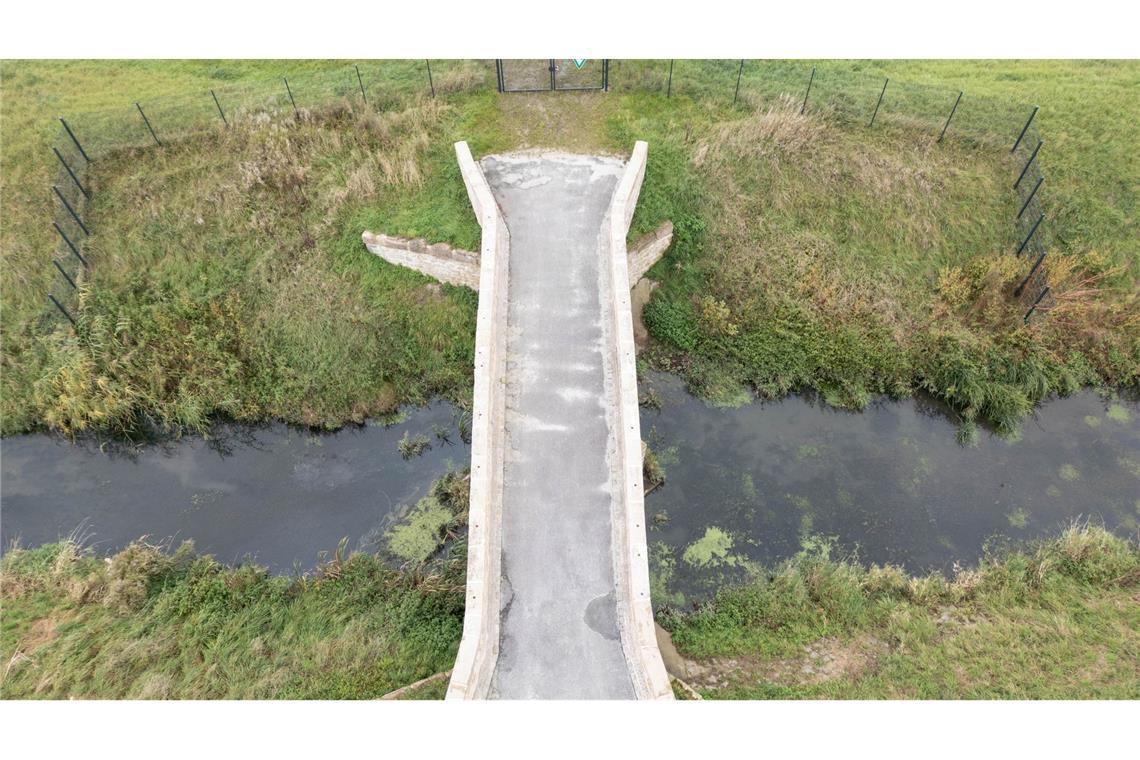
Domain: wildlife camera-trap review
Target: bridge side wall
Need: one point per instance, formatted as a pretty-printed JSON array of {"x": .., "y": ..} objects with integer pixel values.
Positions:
[
  {"x": 479, "y": 646},
  {"x": 631, "y": 555},
  {"x": 647, "y": 249},
  {"x": 441, "y": 261}
]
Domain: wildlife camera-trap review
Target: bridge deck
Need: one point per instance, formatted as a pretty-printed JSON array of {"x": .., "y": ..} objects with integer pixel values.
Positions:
[{"x": 559, "y": 636}]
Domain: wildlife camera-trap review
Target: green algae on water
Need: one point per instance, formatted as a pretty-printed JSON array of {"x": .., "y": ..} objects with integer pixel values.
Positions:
[
  {"x": 1068, "y": 472},
  {"x": 1018, "y": 518},
  {"x": 420, "y": 534},
  {"x": 1118, "y": 413},
  {"x": 712, "y": 550}
]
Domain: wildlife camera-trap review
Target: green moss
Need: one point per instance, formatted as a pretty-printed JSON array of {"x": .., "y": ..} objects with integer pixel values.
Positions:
[
  {"x": 1069, "y": 472},
  {"x": 1092, "y": 420}
]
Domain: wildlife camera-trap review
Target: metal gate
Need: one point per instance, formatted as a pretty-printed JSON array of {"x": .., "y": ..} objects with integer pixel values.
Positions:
[{"x": 546, "y": 74}]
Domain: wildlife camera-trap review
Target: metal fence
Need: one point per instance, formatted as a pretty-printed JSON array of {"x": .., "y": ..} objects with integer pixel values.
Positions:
[
  {"x": 1033, "y": 290},
  {"x": 841, "y": 91},
  {"x": 545, "y": 74},
  {"x": 84, "y": 139}
]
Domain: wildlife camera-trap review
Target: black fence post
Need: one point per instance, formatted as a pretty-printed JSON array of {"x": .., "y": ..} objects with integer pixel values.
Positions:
[
  {"x": 59, "y": 306},
  {"x": 669, "y": 89},
  {"x": 1042, "y": 294},
  {"x": 1024, "y": 130},
  {"x": 1025, "y": 168},
  {"x": 431, "y": 82},
  {"x": 499, "y": 73},
  {"x": 71, "y": 211},
  {"x": 804, "y": 106},
  {"x": 1030, "y": 198},
  {"x": 70, "y": 244},
  {"x": 220, "y": 111},
  {"x": 70, "y": 173},
  {"x": 1028, "y": 277},
  {"x": 289, "y": 90},
  {"x": 553, "y": 74},
  {"x": 66, "y": 276},
  {"x": 605, "y": 75},
  {"x": 951, "y": 116},
  {"x": 75, "y": 140},
  {"x": 1029, "y": 237},
  {"x": 736, "y": 94},
  {"x": 148, "y": 126},
  {"x": 881, "y": 94},
  {"x": 360, "y": 81}
]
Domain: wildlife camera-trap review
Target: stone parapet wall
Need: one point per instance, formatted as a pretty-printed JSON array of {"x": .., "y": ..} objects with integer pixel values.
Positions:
[
  {"x": 438, "y": 260},
  {"x": 647, "y": 250}
]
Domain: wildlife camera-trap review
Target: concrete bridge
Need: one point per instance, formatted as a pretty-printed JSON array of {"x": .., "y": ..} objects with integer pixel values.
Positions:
[{"x": 557, "y": 575}]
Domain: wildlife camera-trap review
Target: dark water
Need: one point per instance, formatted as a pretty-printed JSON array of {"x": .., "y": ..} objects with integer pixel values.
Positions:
[
  {"x": 278, "y": 494},
  {"x": 745, "y": 487},
  {"x": 753, "y": 485}
]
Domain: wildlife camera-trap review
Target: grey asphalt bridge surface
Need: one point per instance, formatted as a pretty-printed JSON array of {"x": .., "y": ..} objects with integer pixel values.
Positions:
[{"x": 559, "y": 636}]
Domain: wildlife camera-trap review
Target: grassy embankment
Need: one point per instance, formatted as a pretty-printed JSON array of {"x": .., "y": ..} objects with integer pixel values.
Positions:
[
  {"x": 228, "y": 275},
  {"x": 149, "y": 623},
  {"x": 1060, "y": 621},
  {"x": 858, "y": 261}
]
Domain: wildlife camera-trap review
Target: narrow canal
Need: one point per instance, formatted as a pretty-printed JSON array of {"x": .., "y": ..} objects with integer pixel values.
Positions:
[
  {"x": 744, "y": 487},
  {"x": 278, "y": 495}
]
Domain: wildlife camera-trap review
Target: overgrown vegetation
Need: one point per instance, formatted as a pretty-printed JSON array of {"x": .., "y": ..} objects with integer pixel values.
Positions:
[
  {"x": 229, "y": 279},
  {"x": 1058, "y": 621},
  {"x": 437, "y": 518},
  {"x": 148, "y": 624}
]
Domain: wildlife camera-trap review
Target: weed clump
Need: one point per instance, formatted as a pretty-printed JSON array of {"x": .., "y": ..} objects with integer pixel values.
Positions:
[{"x": 411, "y": 446}]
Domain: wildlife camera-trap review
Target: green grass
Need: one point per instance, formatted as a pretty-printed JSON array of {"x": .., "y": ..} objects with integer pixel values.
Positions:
[
  {"x": 154, "y": 625},
  {"x": 813, "y": 252},
  {"x": 229, "y": 278},
  {"x": 1059, "y": 621}
]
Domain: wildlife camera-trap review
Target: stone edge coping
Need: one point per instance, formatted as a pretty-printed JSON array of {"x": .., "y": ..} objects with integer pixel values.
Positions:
[
  {"x": 479, "y": 646},
  {"x": 418, "y": 245},
  {"x": 639, "y": 639}
]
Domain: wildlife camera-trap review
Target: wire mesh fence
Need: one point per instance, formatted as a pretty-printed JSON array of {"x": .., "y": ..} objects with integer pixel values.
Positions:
[
  {"x": 1033, "y": 290},
  {"x": 842, "y": 91}
]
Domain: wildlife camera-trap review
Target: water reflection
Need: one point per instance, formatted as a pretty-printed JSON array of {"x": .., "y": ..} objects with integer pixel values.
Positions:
[
  {"x": 276, "y": 494},
  {"x": 751, "y": 486}
]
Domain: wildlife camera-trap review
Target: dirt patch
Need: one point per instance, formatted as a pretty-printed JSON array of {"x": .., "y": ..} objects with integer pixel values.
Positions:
[
  {"x": 41, "y": 633},
  {"x": 569, "y": 121},
  {"x": 823, "y": 660},
  {"x": 431, "y": 292}
]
